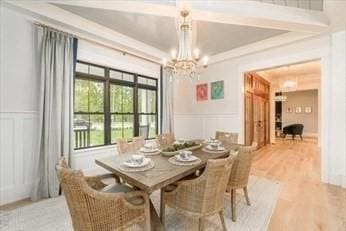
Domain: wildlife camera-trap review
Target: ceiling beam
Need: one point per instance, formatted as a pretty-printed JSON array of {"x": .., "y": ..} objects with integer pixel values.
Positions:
[
  {"x": 81, "y": 27},
  {"x": 239, "y": 12}
]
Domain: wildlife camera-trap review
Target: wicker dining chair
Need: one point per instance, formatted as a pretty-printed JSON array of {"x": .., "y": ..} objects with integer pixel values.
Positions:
[
  {"x": 130, "y": 145},
  {"x": 95, "y": 206},
  {"x": 239, "y": 176},
  {"x": 227, "y": 137},
  {"x": 200, "y": 197},
  {"x": 165, "y": 139}
]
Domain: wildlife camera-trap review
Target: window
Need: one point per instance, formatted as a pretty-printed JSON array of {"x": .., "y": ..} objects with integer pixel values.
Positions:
[{"x": 112, "y": 104}]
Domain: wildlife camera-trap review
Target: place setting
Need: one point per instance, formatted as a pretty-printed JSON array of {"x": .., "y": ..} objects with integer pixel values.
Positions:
[
  {"x": 137, "y": 163},
  {"x": 150, "y": 149},
  {"x": 214, "y": 147},
  {"x": 212, "y": 140},
  {"x": 184, "y": 158}
]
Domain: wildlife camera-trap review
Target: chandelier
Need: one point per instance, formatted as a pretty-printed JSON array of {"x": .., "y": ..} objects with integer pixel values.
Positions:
[
  {"x": 184, "y": 63},
  {"x": 279, "y": 97}
]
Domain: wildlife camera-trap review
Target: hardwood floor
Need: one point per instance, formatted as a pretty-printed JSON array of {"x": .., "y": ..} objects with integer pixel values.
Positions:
[{"x": 304, "y": 202}]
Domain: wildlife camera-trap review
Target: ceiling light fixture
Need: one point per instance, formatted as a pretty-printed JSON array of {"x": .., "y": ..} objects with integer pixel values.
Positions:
[
  {"x": 185, "y": 62},
  {"x": 279, "y": 97}
]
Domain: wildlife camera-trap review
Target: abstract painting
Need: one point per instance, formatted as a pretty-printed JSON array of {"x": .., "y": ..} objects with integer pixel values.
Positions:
[
  {"x": 217, "y": 90},
  {"x": 202, "y": 92}
]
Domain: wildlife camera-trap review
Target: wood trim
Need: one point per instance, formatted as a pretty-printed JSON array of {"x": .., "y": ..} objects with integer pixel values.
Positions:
[{"x": 255, "y": 86}]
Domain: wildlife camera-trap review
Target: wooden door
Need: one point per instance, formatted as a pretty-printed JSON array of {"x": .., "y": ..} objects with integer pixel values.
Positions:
[
  {"x": 249, "y": 122},
  {"x": 256, "y": 108},
  {"x": 259, "y": 120}
]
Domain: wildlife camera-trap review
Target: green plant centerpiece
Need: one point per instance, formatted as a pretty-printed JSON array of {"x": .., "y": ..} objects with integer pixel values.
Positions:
[{"x": 176, "y": 147}]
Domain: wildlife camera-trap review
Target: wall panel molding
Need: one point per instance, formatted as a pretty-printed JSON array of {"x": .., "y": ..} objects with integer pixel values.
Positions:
[
  {"x": 18, "y": 145},
  {"x": 202, "y": 126}
]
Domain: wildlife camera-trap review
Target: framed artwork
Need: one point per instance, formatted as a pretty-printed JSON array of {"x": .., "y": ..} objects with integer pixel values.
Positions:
[
  {"x": 298, "y": 109},
  {"x": 289, "y": 110},
  {"x": 202, "y": 92},
  {"x": 308, "y": 109},
  {"x": 217, "y": 90}
]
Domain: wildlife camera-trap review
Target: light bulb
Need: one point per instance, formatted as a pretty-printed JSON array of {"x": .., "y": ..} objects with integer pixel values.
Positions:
[
  {"x": 196, "y": 52},
  {"x": 205, "y": 61},
  {"x": 164, "y": 62},
  {"x": 174, "y": 54}
]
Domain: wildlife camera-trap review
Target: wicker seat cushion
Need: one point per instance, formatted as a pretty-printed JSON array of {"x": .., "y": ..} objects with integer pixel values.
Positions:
[{"x": 116, "y": 188}]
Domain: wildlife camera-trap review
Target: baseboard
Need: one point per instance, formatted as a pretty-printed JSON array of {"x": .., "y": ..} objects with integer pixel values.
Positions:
[{"x": 338, "y": 180}]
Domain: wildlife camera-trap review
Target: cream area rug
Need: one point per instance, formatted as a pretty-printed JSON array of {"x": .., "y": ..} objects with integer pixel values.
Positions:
[{"x": 53, "y": 214}]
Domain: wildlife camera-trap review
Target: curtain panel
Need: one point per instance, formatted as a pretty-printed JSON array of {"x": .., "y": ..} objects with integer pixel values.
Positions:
[
  {"x": 167, "y": 103},
  {"x": 58, "y": 57}
]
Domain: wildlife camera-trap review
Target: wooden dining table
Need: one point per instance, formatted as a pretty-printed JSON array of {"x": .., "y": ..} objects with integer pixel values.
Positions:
[{"x": 163, "y": 173}]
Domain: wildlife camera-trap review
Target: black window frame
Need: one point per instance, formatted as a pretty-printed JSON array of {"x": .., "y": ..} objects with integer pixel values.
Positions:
[{"x": 108, "y": 81}]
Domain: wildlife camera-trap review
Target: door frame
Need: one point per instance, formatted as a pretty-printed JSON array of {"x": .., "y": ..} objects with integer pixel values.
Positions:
[{"x": 321, "y": 54}]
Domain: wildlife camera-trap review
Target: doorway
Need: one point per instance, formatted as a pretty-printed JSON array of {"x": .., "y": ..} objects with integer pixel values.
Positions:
[{"x": 256, "y": 96}]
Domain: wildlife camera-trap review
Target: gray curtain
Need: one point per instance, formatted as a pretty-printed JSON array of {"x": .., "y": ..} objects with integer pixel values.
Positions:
[
  {"x": 56, "y": 110},
  {"x": 167, "y": 103}
]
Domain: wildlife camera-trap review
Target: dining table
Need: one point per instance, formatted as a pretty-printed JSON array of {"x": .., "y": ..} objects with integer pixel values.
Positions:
[{"x": 162, "y": 174}]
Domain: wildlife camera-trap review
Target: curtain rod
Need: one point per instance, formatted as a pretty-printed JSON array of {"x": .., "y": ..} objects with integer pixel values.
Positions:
[{"x": 36, "y": 23}]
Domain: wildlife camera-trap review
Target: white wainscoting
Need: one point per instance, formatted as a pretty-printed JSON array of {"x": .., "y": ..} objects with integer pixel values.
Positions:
[
  {"x": 18, "y": 144},
  {"x": 84, "y": 159},
  {"x": 202, "y": 126}
]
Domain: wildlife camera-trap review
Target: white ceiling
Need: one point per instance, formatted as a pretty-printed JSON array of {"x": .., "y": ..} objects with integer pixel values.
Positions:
[
  {"x": 160, "y": 31},
  {"x": 301, "y": 69},
  {"x": 303, "y": 4}
]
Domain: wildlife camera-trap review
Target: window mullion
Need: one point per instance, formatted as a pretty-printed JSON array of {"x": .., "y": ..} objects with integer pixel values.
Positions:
[
  {"x": 135, "y": 107},
  {"x": 108, "y": 120}
]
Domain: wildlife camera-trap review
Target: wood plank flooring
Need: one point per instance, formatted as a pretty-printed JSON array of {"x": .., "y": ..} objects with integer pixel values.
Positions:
[{"x": 304, "y": 202}]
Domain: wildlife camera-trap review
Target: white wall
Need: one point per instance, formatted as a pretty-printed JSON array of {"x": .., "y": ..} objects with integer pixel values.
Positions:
[
  {"x": 205, "y": 118},
  {"x": 305, "y": 82},
  {"x": 18, "y": 104},
  {"x": 308, "y": 98}
]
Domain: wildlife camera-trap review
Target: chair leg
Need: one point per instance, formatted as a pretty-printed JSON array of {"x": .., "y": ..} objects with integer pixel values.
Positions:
[
  {"x": 147, "y": 220},
  {"x": 162, "y": 208},
  {"x": 301, "y": 137},
  {"x": 233, "y": 204},
  {"x": 246, "y": 196},
  {"x": 222, "y": 220},
  {"x": 201, "y": 224}
]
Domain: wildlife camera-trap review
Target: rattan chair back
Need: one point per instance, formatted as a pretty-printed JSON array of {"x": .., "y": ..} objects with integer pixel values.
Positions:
[
  {"x": 241, "y": 167},
  {"x": 92, "y": 210},
  {"x": 213, "y": 188},
  {"x": 130, "y": 145},
  {"x": 227, "y": 137},
  {"x": 165, "y": 139}
]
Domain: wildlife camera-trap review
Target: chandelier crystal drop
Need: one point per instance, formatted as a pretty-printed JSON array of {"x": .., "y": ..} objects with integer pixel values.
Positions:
[{"x": 185, "y": 62}]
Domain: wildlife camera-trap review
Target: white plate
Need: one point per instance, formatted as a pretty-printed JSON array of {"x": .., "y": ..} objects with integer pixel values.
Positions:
[
  {"x": 191, "y": 158},
  {"x": 212, "y": 141},
  {"x": 220, "y": 148},
  {"x": 145, "y": 150},
  {"x": 130, "y": 163}
]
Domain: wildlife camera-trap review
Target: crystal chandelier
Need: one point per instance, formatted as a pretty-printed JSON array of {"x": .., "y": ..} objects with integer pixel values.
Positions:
[{"x": 184, "y": 63}]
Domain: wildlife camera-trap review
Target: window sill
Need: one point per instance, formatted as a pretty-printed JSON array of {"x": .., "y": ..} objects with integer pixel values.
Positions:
[
  {"x": 95, "y": 149},
  {"x": 91, "y": 150}
]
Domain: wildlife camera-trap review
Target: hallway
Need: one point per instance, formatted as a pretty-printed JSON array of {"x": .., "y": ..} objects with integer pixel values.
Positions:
[{"x": 304, "y": 202}]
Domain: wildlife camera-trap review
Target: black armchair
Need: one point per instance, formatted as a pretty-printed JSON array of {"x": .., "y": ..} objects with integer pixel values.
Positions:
[{"x": 294, "y": 129}]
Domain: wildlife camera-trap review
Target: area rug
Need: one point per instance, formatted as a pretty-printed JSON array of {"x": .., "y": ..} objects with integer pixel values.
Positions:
[{"x": 53, "y": 214}]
